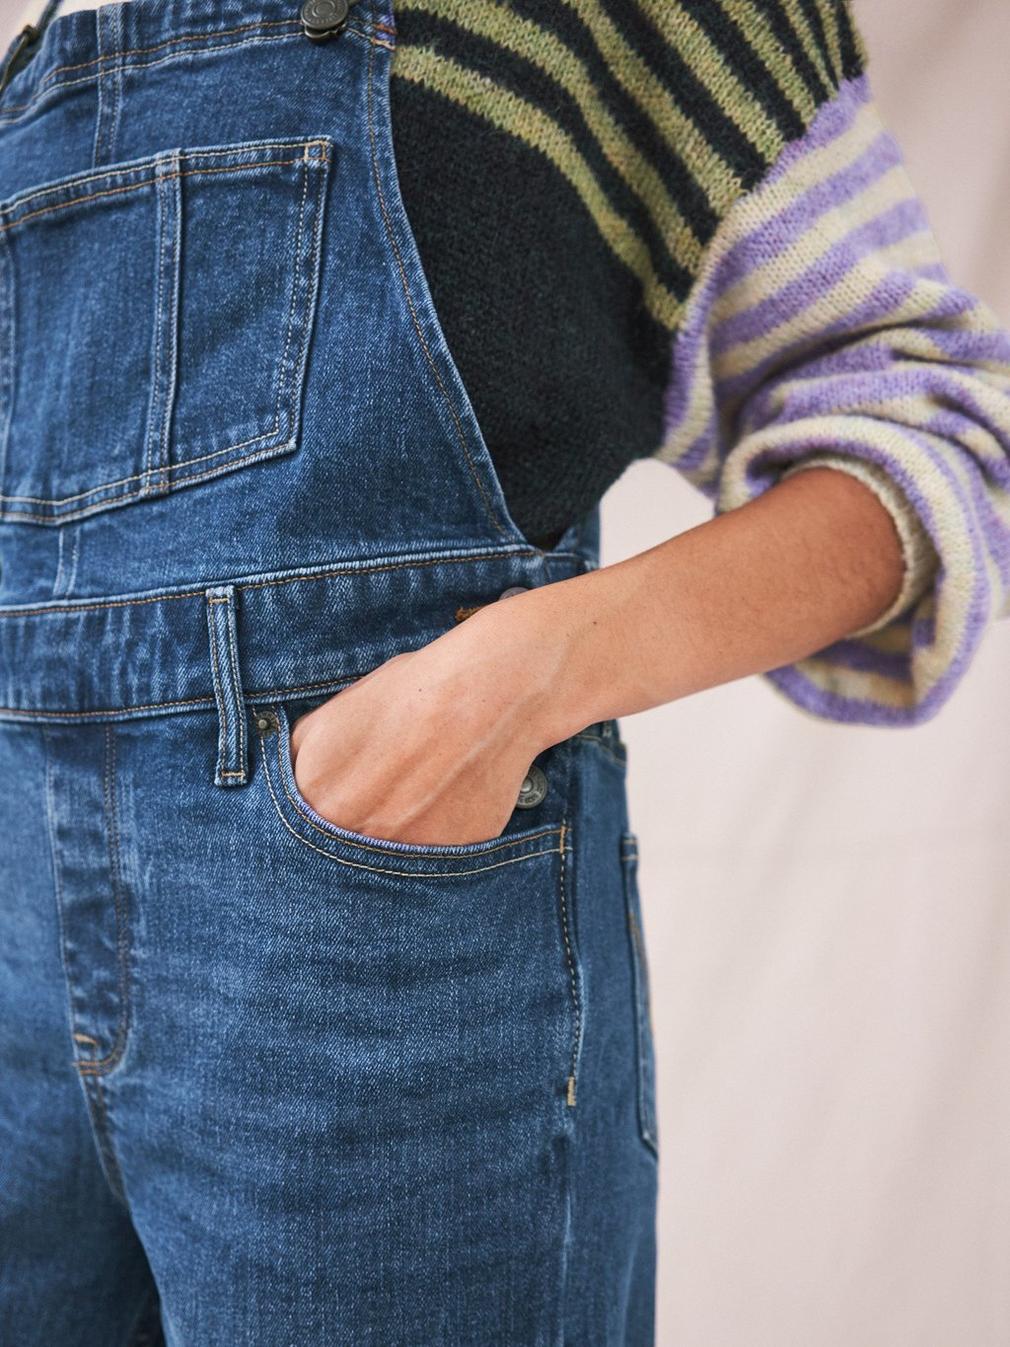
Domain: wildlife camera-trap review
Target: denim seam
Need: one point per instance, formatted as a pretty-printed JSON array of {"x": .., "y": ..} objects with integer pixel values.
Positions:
[
  {"x": 57, "y": 882},
  {"x": 303, "y": 291},
  {"x": 496, "y": 523},
  {"x": 109, "y": 82},
  {"x": 66, "y": 516},
  {"x": 394, "y": 852},
  {"x": 267, "y": 694},
  {"x": 163, "y": 383},
  {"x": 261, "y": 584},
  {"x": 573, "y": 977},
  {"x": 13, "y": 112},
  {"x": 156, "y": 358},
  {"x": 146, "y": 182},
  {"x": 229, "y": 152},
  {"x": 644, "y": 1078},
  {"x": 290, "y": 24},
  {"x": 283, "y": 380},
  {"x": 102, "y": 1065},
  {"x": 76, "y": 1033},
  {"x": 414, "y": 873},
  {"x": 307, "y": 284},
  {"x": 98, "y": 1111},
  {"x": 6, "y": 351},
  {"x": 256, "y": 696},
  {"x": 83, "y": 716},
  {"x": 138, "y": 476}
]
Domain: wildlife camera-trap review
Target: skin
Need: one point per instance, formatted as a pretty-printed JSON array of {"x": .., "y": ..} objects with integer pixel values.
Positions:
[{"x": 432, "y": 746}]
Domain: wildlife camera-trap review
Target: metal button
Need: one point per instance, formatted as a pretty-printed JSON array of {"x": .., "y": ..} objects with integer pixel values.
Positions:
[
  {"x": 515, "y": 589},
  {"x": 533, "y": 789},
  {"x": 323, "y": 18},
  {"x": 266, "y": 721}
]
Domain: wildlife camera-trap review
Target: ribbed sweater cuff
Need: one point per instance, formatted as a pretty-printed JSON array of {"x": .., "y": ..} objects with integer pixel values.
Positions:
[{"x": 920, "y": 556}]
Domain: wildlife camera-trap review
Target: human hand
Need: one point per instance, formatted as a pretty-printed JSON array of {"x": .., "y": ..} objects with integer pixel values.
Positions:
[{"x": 433, "y": 745}]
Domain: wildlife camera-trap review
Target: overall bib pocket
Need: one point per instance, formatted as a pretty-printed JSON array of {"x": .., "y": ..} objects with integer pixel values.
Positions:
[
  {"x": 182, "y": 360},
  {"x": 518, "y": 843},
  {"x": 645, "y": 1065}
]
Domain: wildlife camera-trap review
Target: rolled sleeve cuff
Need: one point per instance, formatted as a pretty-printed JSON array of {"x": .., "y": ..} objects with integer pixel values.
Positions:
[{"x": 920, "y": 557}]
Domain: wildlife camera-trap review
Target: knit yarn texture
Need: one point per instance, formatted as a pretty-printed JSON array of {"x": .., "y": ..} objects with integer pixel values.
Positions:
[{"x": 565, "y": 164}]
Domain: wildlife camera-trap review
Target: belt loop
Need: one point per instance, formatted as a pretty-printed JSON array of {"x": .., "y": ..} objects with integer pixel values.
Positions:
[
  {"x": 109, "y": 25},
  {"x": 232, "y": 767}
]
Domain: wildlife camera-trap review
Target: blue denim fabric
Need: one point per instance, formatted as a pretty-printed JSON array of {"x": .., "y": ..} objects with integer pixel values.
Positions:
[{"x": 265, "y": 1080}]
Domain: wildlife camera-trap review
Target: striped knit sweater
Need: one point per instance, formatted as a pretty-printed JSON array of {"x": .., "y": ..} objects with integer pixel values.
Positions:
[{"x": 678, "y": 229}]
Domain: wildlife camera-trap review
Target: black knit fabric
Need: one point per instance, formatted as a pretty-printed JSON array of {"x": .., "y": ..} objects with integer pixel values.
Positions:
[{"x": 559, "y": 259}]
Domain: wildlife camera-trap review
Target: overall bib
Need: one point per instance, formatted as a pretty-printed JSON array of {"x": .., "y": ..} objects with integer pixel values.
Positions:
[{"x": 265, "y": 1080}]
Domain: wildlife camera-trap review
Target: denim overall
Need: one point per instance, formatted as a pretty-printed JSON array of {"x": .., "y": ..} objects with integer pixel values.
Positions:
[{"x": 265, "y": 1080}]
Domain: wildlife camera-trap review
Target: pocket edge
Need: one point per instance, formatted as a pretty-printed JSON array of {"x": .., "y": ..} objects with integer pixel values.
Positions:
[
  {"x": 298, "y": 814},
  {"x": 278, "y": 440},
  {"x": 645, "y": 1061}
]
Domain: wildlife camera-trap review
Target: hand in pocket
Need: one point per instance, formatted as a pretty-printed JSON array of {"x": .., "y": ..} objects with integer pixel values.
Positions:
[{"x": 430, "y": 747}]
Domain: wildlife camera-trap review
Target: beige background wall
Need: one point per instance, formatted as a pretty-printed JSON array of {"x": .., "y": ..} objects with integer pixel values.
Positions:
[{"x": 826, "y": 907}]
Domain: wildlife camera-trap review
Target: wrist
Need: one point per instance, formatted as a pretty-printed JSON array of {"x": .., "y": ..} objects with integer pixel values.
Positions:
[
  {"x": 563, "y": 632},
  {"x": 525, "y": 644}
]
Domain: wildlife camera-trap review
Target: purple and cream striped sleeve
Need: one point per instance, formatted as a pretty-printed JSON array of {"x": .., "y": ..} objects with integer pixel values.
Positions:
[{"x": 824, "y": 329}]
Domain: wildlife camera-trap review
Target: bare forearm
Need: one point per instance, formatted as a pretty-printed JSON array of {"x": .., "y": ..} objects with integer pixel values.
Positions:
[
  {"x": 814, "y": 558},
  {"x": 441, "y": 737}
]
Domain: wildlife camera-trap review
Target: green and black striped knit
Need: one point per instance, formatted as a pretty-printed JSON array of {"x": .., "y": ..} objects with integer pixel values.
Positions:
[
  {"x": 680, "y": 230},
  {"x": 565, "y": 165}
]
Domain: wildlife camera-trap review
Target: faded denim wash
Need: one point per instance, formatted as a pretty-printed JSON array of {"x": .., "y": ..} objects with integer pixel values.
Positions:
[{"x": 265, "y": 1080}]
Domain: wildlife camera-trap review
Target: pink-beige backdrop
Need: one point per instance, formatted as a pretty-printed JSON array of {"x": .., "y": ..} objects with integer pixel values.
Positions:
[{"x": 826, "y": 907}]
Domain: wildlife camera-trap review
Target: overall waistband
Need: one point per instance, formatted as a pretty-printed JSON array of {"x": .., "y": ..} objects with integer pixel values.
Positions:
[
  {"x": 76, "y": 48},
  {"x": 282, "y": 634}
]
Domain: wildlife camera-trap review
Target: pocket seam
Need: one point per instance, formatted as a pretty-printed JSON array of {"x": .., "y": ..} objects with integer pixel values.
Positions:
[
  {"x": 276, "y": 439},
  {"x": 416, "y": 861},
  {"x": 149, "y": 165},
  {"x": 644, "y": 1049}
]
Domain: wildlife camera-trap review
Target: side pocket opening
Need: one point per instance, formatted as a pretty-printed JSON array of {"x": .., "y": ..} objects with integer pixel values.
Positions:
[{"x": 519, "y": 842}]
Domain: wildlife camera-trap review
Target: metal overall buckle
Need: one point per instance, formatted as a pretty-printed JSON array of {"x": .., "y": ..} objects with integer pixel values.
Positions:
[
  {"x": 29, "y": 34},
  {"x": 28, "y": 37}
]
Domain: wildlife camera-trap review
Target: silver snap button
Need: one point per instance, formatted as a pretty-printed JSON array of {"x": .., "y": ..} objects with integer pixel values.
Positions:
[
  {"x": 323, "y": 18},
  {"x": 533, "y": 788},
  {"x": 514, "y": 589},
  {"x": 266, "y": 721}
]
